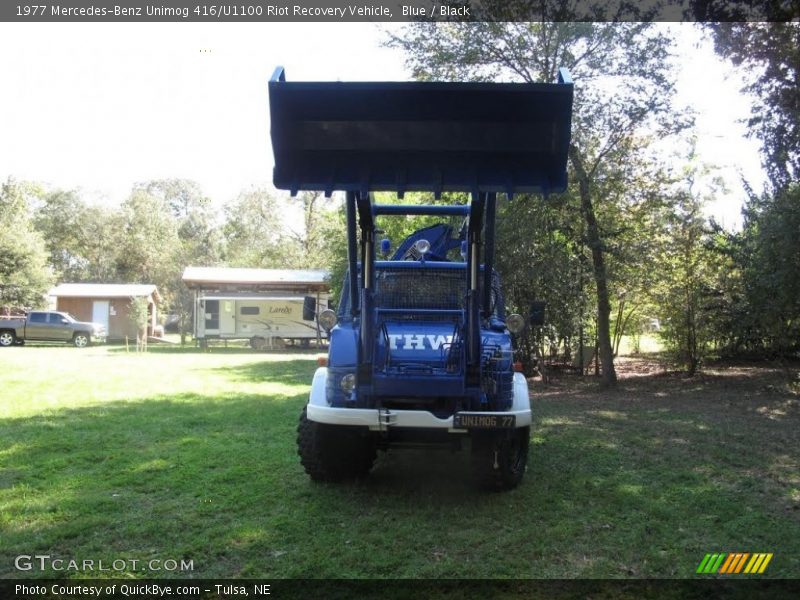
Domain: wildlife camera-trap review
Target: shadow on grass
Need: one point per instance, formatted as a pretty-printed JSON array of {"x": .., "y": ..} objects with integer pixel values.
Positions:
[
  {"x": 298, "y": 371},
  {"x": 156, "y": 348},
  {"x": 614, "y": 489}
]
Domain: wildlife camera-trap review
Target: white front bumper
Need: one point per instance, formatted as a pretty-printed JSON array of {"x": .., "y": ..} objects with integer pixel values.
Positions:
[
  {"x": 319, "y": 411},
  {"x": 378, "y": 420}
]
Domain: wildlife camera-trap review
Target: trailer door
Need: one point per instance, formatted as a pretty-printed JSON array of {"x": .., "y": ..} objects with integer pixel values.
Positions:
[
  {"x": 212, "y": 317},
  {"x": 227, "y": 318}
]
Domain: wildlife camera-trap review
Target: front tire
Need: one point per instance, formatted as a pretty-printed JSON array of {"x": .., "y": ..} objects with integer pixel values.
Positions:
[
  {"x": 499, "y": 459},
  {"x": 332, "y": 453},
  {"x": 7, "y": 338},
  {"x": 80, "y": 340}
]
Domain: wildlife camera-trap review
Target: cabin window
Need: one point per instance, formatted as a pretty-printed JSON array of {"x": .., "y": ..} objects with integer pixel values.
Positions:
[{"x": 249, "y": 310}]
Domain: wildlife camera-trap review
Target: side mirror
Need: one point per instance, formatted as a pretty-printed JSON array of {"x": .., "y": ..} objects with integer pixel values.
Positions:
[
  {"x": 64, "y": 321},
  {"x": 537, "y": 313}
]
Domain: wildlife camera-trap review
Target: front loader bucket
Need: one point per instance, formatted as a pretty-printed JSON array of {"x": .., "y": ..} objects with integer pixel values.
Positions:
[{"x": 420, "y": 136}]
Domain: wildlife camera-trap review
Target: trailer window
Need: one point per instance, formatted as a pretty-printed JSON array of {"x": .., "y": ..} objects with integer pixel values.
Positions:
[{"x": 249, "y": 310}]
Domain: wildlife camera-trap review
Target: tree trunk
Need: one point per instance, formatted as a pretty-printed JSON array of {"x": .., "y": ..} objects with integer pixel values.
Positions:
[
  {"x": 595, "y": 243},
  {"x": 617, "y": 337}
]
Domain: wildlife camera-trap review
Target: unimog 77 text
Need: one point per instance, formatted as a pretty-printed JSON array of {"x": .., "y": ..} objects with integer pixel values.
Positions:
[{"x": 420, "y": 347}]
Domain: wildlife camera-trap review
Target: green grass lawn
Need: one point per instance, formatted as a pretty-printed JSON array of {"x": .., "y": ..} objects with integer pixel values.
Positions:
[{"x": 178, "y": 454}]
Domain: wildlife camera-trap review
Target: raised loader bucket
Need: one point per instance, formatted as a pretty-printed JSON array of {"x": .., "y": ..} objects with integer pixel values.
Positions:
[{"x": 420, "y": 136}]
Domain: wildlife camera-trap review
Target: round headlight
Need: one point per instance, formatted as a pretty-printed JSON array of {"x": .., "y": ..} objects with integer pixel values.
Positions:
[
  {"x": 327, "y": 319},
  {"x": 347, "y": 383},
  {"x": 422, "y": 246},
  {"x": 515, "y": 323}
]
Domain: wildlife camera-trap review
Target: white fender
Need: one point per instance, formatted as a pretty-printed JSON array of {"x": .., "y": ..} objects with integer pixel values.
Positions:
[
  {"x": 522, "y": 398},
  {"x": 317, "y": 396}
]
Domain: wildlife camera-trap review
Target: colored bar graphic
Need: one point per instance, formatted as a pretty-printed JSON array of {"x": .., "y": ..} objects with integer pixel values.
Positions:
[
  {"x": 727, "y": 564},
  {"x": 754, "y": 562},
  {"x": 740, "y": 564},
  {"x": 765, "y": 563},
  {"x": 703, "y": 563},
  {"x": 733, "y": 563},
  {"x": 715, "y": 565}
]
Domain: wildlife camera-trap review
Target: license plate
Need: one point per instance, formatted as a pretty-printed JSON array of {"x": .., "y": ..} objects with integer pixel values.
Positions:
[{"x": 484, "y": 421}]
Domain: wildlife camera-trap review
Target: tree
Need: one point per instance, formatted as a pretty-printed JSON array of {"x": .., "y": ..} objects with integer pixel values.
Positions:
[
  {"x": 83, "y": 241},
  {"x": 770, "y": 53},
  {"x": 761, "y": 295},
  {"x": 197, "y": 223},
  {"x": 150, "y": 250},
  {"x": 540, "y": 259},
  {"x": 770, "y": 261},
  {"x": 24, "y": 274},
  {"x": 252, "y": 230},
  {"x": 60, "y": 219},
  {"x": 137, "y": 313},
  {"x": 311, "y": 241},
  {"x": 199, "y": 239},
  {"x": 623, "y": 91},
  {"x": 100, "y": 243},
  {"x": 688, "y": 272},
  {"x": 688, "y": 289}
]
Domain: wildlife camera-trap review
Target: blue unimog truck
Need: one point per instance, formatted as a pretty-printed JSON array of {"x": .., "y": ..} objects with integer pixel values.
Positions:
[{"x": 420, "y": 347}]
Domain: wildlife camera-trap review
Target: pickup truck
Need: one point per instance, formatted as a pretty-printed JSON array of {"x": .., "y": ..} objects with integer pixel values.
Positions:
[{"x": 50, "y": 326}]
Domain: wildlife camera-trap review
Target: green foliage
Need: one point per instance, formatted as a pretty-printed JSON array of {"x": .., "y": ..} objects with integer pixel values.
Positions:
[
  {"x": 196, "y": 219},
  {"x": 773, "y": 269},
  {"x": 252, "y": 230},
  {"x": 315, "y": 239},
  {"x": 770, "y": 53},
  {"x": 764, "y": 286},
  {"x": 199, "y": 240},
  {"x": 137, "y": 312},
  {"x": 80, "y": 238},
  {"x": 61, "y": 215},
  {"x": 539, "y": 259},
  {"x": 150, "y": 246},
  {"x": 687, "y": 265},
  {"x": 24, "y": 273},
  {"x": 623, "y": 98}
]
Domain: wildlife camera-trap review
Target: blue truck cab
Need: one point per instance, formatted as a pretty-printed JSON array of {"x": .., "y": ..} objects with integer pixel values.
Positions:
[{"x": 421, "y": 347}]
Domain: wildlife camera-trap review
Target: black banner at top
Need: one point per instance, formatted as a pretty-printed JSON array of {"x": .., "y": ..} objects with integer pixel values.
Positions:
[{"x": 333, "y": 11}]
